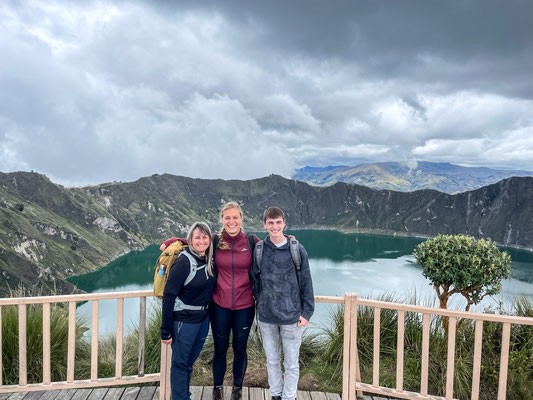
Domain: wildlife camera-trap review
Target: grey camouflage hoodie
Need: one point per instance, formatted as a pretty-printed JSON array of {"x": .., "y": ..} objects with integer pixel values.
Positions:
[{"x": 279, "y": 298}]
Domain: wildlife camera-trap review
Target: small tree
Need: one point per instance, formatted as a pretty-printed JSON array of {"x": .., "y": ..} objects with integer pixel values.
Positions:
[{"x": 464, "y": 265}]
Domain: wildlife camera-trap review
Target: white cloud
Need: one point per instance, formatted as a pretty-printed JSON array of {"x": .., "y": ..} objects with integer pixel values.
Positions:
[{"x": 98, "y": 91}]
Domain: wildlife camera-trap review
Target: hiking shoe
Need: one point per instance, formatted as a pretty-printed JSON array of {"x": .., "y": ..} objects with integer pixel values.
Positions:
[
  {"x": 276, "y": 397},
  {"x": 218, "y": 393},
  {"x": 236, "y": 393}
]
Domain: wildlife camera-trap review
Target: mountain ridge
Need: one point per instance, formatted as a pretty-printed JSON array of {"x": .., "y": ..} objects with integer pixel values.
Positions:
[
  {"x": 406, "y": 177},
  {"x": 49, "y": 232}
]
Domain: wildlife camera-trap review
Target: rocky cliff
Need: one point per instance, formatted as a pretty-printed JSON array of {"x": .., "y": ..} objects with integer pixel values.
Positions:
[{"x": 49, "y": 232}]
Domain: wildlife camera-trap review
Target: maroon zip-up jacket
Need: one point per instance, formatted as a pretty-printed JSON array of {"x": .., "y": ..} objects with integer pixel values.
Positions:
[{"x": 234, "y": 289}]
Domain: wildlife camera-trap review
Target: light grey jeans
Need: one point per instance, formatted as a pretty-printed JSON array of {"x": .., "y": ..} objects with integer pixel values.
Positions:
[{"x": 291, "y": 338}]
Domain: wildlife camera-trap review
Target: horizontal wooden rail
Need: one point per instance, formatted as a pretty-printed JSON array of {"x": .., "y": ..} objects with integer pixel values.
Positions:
[
  {"x": 75, "y": 297},
  {"x": 446, "y": 313}
]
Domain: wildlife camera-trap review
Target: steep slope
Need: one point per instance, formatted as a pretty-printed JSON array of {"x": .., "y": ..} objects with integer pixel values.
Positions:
[{"x": 50, "y": 232}]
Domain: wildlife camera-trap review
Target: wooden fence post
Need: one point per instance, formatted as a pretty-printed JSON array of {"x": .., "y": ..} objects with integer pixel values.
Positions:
[{"x": 346, "y": 348}]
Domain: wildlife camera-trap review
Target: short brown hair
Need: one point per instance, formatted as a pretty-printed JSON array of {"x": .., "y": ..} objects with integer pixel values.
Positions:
[{"x": 273, "y": 213}]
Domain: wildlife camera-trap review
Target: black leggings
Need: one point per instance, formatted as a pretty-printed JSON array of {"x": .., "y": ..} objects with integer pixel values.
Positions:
[{"x": 224, "y": 320}]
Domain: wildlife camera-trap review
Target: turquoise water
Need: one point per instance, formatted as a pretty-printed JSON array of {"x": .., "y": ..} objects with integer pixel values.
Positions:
[{"x": 370, "y": 265}]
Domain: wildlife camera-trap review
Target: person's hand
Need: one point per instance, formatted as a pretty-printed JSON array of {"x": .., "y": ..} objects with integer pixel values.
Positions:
[
  {"x": 302, "y": 321},
  {"x": 168, "y": 341},
  {"x": 163, "y": 247}
]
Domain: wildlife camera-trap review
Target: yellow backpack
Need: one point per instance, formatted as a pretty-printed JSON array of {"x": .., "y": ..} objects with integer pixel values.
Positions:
[{"x": 163, "y": 264}]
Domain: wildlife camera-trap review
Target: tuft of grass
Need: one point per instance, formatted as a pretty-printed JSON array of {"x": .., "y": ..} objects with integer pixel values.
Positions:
[{"x": 520, "y": 356}]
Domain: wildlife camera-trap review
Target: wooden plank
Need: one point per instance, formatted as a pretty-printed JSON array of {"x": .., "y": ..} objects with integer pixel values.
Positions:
[
  {"x": 82, "y": 394},
  {"x": 130, "y": 393},
  {"x": 450, "y": 364},
  {"x": 400, "y": 350},
  {"x": 207, "y": 393},
  {"x": 353, "y": 347},
  {"x": 168, "y": 363},
  {"x": 449, "y": 313},
  {"x": 317, "y": 395},
  {"x": 94, "y": 341},
  {"x": 65, "y": 394},
  {"x": 256, "y": 394},
  {"x": 50, "y": 394},
  {"x": 504, "y": 361},
  {"x": 163, "y": 371},
  {"x": 333, "y": 396},
  {"x": 46, "y": 344},
  {"x": 245, "y": 394},
  {"x": 156, "y": 394},
  {"x": 119, "y": 338},
  {"x": 86, "y": 383},
  {"x": 34, "y": 395},
  {"x": 377, "y": 329},
  {"x": 146, "y": 393},
  {"x": 114, "y": 393},
  {"x": 346, "y": 348},
  {"x": 226, "y": 392},
  {"x": 74, "y": 297},
  {"x": 15, "y": 301},
  {"x": 478, "y": 337},
  {"x": 71, "y": 350},
  {"x": 196, "y": 393},
  {"x": 4, "y": 395},
  {"x": 18, "y": 395},
  {"x": 98, "y": 394},
  {"x": 302, "y": 395},
  {"x": 142, "y": 335},
  {"x": 425, "y": 355},
  {"x": 23, "y": 376}
]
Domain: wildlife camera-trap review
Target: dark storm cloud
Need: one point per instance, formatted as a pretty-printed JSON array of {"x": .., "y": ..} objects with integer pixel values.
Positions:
[
  {"x": 239, "y": 89},
  {"x": 397, "y": 39}
]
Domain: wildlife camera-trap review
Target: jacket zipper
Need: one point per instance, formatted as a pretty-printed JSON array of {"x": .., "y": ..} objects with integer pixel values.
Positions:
[{"x": 232, "y": 276}]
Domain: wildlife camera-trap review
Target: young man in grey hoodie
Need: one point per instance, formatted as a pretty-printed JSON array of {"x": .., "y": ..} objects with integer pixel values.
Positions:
[{"x": 284, "y": 302}]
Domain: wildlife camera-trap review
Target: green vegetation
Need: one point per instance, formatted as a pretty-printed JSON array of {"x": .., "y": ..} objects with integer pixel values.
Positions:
[
  {"x": 459, "y": 264},
  {"x": 328, "y": 366},
  {"x": 321, "y": 355}
]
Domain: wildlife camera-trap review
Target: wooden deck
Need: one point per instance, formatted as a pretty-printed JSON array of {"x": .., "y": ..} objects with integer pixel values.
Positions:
[{"x": 152, "y": 393}]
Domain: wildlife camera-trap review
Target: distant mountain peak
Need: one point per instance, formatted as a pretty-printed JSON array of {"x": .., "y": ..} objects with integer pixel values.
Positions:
[{"x": 407, "y": 176}]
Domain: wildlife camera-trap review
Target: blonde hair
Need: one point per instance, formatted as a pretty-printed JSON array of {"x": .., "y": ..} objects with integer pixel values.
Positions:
[
  {"x": 222, "y": 245},
  {"x": 203, "y": 228}
]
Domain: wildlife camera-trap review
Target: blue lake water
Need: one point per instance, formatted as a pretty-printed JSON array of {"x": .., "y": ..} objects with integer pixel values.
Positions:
[{"x": 370, "y": 265}]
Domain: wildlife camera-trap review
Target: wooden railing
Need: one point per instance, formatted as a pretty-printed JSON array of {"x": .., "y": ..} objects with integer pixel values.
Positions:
[
  {"x": 351, "y": 379},
  {"x": 70, "y": 382}
]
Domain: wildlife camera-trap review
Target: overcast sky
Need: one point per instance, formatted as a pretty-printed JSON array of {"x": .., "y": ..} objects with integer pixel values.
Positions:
[{"x": 92, "y": 92}]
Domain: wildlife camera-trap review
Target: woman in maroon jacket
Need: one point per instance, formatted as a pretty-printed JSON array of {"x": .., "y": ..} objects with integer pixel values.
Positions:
[{"x": 233, "y": 306}]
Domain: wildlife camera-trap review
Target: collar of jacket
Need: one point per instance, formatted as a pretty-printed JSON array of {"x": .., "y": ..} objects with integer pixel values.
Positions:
[
  {"x": 269, "y": 243},
  {"x": 228, "y": 238}
]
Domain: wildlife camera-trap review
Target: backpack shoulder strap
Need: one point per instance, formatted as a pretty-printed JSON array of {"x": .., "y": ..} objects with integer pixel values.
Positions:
[
  {"x": 258, "y": 254},
  {"x": 251, "y": 242},
  {"x": 194, "y": 267},
  {"x": 216, "y": 239},
  {"x": 294, "y": 247}
]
